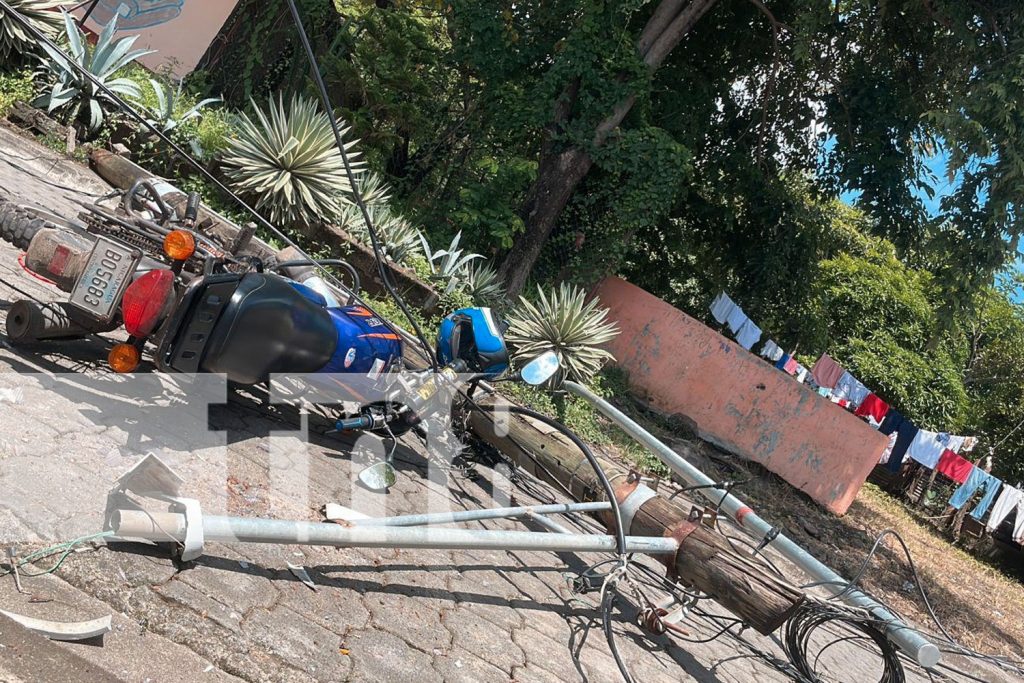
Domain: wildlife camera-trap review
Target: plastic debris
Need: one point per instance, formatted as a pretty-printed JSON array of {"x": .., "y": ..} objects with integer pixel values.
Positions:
[
  {"x": 58, "y": 630},
  {"x": 302, "y": 575}
]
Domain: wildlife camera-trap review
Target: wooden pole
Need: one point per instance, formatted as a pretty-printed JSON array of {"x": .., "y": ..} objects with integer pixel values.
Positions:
[{"x": 705, "y": 560}]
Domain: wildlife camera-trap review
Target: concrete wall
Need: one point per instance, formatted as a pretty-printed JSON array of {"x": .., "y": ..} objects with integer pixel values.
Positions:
[
  {"x": 739, "y": 401},
  {"x": 179, "y": 30}
]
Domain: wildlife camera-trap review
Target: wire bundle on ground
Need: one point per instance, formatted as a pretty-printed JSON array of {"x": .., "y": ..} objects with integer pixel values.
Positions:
[{"x": 813, "y": 615}]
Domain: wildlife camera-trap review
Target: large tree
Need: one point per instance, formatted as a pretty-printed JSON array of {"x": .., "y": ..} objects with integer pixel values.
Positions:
[{"x": 872, "y": 87}]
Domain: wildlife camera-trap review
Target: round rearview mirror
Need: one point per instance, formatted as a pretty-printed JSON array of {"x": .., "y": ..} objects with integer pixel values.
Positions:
[
  {"x": 540, "y": 369},
  {"x": 379, "y": 477}
]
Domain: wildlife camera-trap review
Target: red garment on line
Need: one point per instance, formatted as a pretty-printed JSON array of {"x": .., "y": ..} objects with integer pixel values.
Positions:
[
  {"x": 826, "y": 372},
  {"x": 953, "y": 466},
  {"x": 873, "y": 407}
]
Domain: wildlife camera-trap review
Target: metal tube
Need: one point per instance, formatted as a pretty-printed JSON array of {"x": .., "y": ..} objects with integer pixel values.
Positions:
[
  {"x": 476, "y": 515},
  {"x": 911, "y": 642},
  {"x": 139, "y": 524},
  {"x": 549, "y": 524}
]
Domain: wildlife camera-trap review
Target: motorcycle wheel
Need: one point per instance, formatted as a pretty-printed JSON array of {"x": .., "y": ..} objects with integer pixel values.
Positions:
[{"x": 18, "y": 225}]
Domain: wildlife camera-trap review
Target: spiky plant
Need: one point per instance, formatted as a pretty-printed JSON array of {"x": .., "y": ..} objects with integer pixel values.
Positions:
[
  {"x": 449, "y": 266},
  {"x": 484, "y": 285},
  {"x": 399, "y": 239},
  {"x": 77, "y": 94},
  {"x": 288, "y": 161},
  {"x": 44, "y": 15},
  {"x": 167, "y": 113},
  {"x": 562, "y": 321}
]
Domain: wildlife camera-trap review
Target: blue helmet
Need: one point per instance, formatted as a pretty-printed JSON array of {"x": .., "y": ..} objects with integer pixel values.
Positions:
[{"x": 473, "y": 335}]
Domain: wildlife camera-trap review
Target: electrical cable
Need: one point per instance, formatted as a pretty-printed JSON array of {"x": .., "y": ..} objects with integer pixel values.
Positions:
[
  {"x": 356, "y": 195},
  {"x": 65, "y": 549}
]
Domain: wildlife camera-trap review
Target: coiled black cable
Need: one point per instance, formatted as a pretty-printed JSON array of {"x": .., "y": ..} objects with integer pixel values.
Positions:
[{"x": 811, "y": 615}]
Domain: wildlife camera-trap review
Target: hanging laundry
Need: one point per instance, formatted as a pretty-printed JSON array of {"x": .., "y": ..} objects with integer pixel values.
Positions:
[
  {"x": 825, "y": 391},
  {"x": 1009, "y": 500},
  {"x": 969, "y": 443},
  {"x": 771, "y": 350},
  {"x": 905, "y": 430},
  {"x": 722, "y": 307},
  {"x": 953, "y": 466},
  {"x": 927, "y": 447},
  {"x": 748, "y": 335},
  {"x": 888, "y": 449},
  {"x": 781, "y": 363},
  {"x": 827, "y": 372},
  {"x": 977, "y": 479},
  {"x": 801, "y": 373},
  {"x": 791, "y": 366},
  {"x": 956, "y": 443},
  {"x": 872, "y": 408},
  {"x": 851, "y": 388},
  {"x": 736, "y": 320}
]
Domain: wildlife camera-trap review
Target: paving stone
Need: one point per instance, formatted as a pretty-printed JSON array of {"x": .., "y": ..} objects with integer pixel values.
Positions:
[
  {"x": 477, "y": 635},
  {"x": 464, "y": 666},
  {"x": 299, "y": 642},
  {"x": 378, "y": 656}
]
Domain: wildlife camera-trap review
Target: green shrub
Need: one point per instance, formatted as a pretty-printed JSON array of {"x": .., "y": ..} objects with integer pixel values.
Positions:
[{"x": 15, "y": 87}]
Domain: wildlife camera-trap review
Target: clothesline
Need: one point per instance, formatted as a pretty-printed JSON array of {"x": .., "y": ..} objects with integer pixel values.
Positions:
[{"x": 938, "y": 451}]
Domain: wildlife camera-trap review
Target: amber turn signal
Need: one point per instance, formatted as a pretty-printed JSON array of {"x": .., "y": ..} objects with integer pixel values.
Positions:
[
  {"x": 179, "y": 245},
  {"x": 123, "y": 358}
]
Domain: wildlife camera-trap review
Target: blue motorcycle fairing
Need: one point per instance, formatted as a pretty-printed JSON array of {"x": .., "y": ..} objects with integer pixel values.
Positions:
[{"x": 366, "y": 344}]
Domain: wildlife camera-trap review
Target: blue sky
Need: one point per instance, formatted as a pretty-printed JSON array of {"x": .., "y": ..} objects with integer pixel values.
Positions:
[{"x": 937, "y": 165}]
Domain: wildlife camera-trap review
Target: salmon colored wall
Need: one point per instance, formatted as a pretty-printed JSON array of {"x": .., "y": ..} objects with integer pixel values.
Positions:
[
  {"x": 739, "y": 401},
  {"x": 179, "y": 30}
]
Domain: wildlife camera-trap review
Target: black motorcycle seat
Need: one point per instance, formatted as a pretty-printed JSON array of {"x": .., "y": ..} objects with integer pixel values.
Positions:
[{"x": 269, "y": 327}]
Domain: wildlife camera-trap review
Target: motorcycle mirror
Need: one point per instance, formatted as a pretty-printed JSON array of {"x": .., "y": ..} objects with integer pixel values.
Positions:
[
  {"x": 379, "y": 477},
  {"x": 540, "y": 369}
]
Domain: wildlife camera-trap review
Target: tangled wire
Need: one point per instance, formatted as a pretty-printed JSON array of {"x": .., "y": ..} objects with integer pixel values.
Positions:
[{"x": 815, "y": 614}]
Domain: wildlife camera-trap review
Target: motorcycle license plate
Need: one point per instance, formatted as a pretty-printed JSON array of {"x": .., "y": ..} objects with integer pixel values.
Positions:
[{"x": 106, "y": 276}]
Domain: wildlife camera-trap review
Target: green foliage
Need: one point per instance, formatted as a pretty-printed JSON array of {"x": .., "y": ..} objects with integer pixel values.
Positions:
[
  {"x": 562, "y": 321},
  {"x": 484, "y": 286},
  {"x": 74, "y": 93},
  {"x": 43, "y": 15},
  {"x": 17, "y": 86},
  {"x": 448, "y": 267},
  {"x": 288, "y": 161},
  {"x": 399, "y": 239}
]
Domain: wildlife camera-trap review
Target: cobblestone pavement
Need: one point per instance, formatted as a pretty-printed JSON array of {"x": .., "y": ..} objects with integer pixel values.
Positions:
[{"x": 238, "y": 612}]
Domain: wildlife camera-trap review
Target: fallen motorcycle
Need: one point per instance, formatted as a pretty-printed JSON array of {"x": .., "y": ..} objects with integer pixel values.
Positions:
[{"x": 201, "y": 305}]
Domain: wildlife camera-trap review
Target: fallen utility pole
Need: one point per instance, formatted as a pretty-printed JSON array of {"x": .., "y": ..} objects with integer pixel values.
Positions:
[
  {"x": 704, "y": 560},
  {"x": 910, "y": 641}
]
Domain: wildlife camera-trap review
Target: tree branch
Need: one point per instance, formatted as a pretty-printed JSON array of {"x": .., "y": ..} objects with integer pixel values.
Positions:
[{"x": 680, "y": 26}]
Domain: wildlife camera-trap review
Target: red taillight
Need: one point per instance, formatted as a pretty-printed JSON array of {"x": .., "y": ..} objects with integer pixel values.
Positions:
[{"x": 144, "y": 300}]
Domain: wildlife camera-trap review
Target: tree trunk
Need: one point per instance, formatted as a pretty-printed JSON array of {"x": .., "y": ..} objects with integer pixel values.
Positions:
[
  {"x": 557, "y": 178},
  {"x": 560, "y": 170}
]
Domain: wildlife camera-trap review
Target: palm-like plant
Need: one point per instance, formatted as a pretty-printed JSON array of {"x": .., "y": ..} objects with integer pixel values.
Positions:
[
  {"x": 78, "y": 94},
  {"x": 484, "y": 285},
  {"x": 288, "y": 160},
  {"x": 42, "y": 14},
  {"x": 562, "y": 321},
  {"x": 449, "y": 265}
]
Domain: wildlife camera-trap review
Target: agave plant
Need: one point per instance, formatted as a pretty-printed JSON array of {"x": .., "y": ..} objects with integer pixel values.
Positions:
[
  {"x": 167, "y": 114},
  {"x": 483, "y": 284},
  {"x": 399, "y": 239},
  {"x": 76, "y": 93},
  {"x": 562, "y": 321},
  {"x": 449, "y": 265},
  {"x": 289, "y": 161},
  {"x": 44, "y": 15}
]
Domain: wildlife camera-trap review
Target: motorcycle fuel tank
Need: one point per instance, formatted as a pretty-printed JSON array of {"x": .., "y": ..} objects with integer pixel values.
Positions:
[{"x": 366, "y": 344}]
